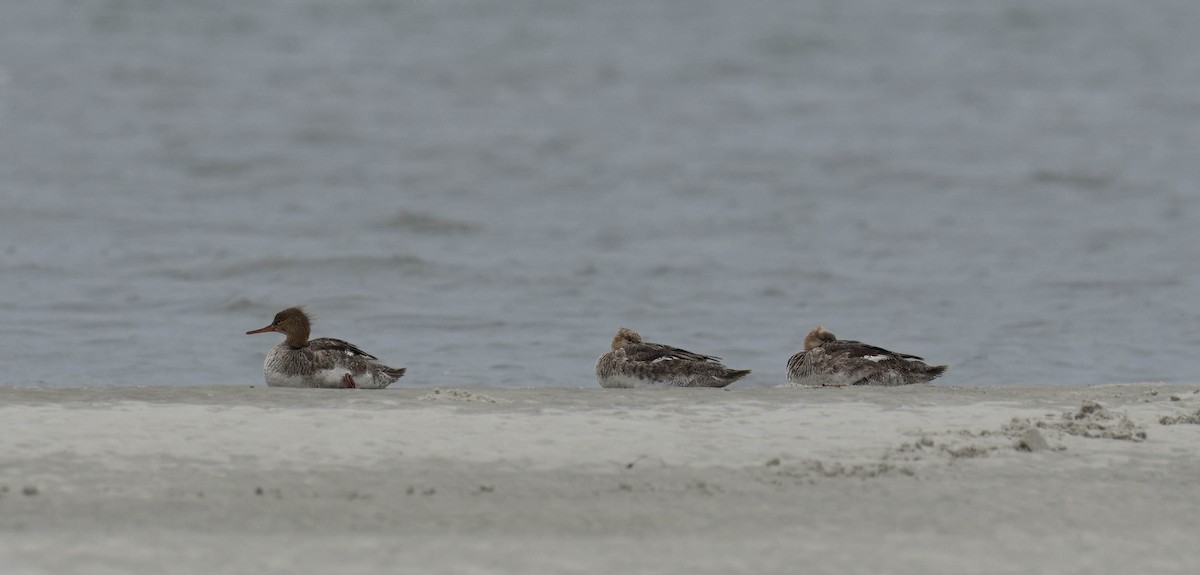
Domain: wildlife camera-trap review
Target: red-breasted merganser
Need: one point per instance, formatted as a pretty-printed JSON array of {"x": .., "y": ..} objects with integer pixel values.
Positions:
[
  {"x": 827, "y": 360},
  {"x": 324, "y": 362},
  {"x": 634, "y": 363}
]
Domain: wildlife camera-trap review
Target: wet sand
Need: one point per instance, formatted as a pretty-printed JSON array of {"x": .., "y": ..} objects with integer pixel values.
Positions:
[{"x": 921, "y": 479}]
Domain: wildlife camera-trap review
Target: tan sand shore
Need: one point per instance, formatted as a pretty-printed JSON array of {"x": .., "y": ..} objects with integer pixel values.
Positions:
[{"x": 921, "y": 479}]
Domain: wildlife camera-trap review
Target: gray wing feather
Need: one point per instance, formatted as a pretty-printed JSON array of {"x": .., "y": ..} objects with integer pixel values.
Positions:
[
  {"x": 336, "y": 345},
  {"x": 649, "y": 352},
  {"x": 859, "y": 349}
]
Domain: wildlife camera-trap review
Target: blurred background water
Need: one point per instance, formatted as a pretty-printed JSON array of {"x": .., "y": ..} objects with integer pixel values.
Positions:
[{"x": 484, "y": 191}]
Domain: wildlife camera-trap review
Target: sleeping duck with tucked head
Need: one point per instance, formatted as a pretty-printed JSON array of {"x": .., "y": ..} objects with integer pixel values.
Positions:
[
  {"x": 635, "y": 363},
  {"x": 829, "y": 361}
]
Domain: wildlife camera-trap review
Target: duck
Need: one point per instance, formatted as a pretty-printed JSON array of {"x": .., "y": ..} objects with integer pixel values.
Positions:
[
  {"x": 829, "y": 361},
  {"x": 323, "y": 362},
  {"x": 635, "y": 363}
]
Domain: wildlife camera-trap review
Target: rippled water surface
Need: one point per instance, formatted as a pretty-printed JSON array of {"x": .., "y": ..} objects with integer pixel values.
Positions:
[{"x": 484, "y": 191}]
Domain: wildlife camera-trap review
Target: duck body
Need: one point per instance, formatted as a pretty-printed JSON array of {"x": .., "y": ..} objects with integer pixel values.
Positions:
[
  {"x": 828, "y": 361},
  {"x": 634, "y": 363},
  {"x": 322, "y": 362},
  {"x": 326, "y": 362}
]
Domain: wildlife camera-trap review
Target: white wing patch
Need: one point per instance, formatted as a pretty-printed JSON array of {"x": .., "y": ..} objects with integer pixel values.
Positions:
[{"x": 875, "y": 358}]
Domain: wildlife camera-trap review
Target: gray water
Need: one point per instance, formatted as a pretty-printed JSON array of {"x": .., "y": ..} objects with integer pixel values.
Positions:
[{"x": 485, "y": 191}]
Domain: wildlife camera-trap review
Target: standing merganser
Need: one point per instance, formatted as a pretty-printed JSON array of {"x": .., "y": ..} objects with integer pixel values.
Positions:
[
  {"x": 634, "y": 363},
  {"x": 829, "y": 361},
  {"x": 324, "y": 362}
]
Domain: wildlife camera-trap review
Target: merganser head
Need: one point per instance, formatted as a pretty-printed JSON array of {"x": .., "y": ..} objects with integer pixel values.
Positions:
[
  {"x": 624, "y": 338},
  {"x": 291, "y": 322},
  {"x": 818, "y": 337}
]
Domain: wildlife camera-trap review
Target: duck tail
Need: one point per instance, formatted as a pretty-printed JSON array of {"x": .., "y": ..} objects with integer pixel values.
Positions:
[
  {"x": 395, "y": 372},
  {"x": 735, "y": 374},
  {"x": 935, "y": 371}
]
